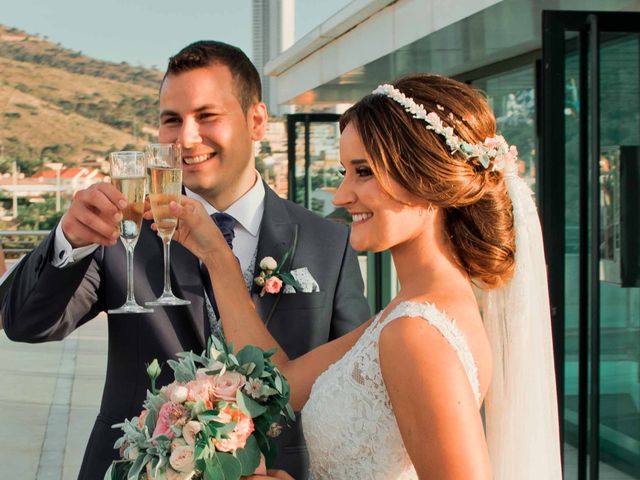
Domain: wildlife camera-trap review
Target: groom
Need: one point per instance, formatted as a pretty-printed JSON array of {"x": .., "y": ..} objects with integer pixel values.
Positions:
[{"x": 210, "y": 103}]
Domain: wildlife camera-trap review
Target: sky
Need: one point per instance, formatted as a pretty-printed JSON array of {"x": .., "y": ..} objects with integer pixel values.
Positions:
[{"x": 147, "y": 32}]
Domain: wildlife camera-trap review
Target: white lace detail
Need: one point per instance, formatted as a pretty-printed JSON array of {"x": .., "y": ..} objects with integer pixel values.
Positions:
[{"x": 349, "y": 425}]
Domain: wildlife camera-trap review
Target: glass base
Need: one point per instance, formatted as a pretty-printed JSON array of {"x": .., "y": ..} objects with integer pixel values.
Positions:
[
  {"x": 167, "y": 300},
  {"x": 131, "y": 308}
]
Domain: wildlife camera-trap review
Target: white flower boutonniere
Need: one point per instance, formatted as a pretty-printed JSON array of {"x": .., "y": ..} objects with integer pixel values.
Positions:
[{"x": 272, "y": 277}]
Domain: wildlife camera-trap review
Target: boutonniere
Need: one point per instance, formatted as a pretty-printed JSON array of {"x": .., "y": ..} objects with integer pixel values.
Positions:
[{"x": 272, "y": 277}]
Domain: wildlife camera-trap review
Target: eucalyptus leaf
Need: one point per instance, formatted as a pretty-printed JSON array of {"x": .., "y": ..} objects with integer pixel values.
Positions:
[
  {"x": 249, "y": 406},
  {"x": 222, "y": 466},
  {"x": 251, "y": 354},
  {"x": 249, "y": 456}
]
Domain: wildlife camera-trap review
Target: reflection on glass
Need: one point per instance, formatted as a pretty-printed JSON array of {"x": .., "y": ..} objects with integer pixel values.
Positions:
[
  {"x": 512, "y": 98},
  {"x": 620, "y": 305}
]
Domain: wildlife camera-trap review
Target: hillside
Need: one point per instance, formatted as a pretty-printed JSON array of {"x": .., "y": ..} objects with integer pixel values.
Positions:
[{"x": 59, "y": 105}]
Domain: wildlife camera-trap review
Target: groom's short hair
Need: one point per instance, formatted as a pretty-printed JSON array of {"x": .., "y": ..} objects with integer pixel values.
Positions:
[{"x": 210, "y": 52}]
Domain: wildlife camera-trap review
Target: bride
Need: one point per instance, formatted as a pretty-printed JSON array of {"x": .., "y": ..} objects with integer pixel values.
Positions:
[{"x": 425, "y": 176}]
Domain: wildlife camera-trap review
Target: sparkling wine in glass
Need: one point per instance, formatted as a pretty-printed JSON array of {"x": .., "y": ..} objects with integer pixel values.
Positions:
[
  {"x": 128, "y": 176},
  {"x": 164, "y": 171}
]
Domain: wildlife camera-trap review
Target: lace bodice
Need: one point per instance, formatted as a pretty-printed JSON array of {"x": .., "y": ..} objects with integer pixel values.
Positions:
[{"x": 349, "y": 425}]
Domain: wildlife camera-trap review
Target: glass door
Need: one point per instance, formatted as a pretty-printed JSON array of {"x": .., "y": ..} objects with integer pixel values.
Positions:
[
  {"x": 314, "y": 162},
  {"x": 588, "y": 184},
  {"x": 314, "y": 165}
]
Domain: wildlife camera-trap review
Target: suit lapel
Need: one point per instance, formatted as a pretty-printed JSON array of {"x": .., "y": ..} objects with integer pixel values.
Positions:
[{"x": 277, "y": 235}]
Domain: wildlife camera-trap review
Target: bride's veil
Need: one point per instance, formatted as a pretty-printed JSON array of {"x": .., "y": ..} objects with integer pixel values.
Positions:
[{"x": 521, "y": 406}]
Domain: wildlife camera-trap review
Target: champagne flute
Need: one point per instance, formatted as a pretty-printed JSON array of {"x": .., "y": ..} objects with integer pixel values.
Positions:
[
  {"x": 164, "y": 168},
  {"x": 128, "y": 176}
]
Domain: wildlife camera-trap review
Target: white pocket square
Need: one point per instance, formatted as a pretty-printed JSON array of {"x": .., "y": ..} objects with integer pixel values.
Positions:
[{"x": 305, "y": 279}]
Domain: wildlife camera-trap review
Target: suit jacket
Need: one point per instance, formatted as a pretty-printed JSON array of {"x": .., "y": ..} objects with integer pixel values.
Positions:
[{"x": 47, "y": 303}]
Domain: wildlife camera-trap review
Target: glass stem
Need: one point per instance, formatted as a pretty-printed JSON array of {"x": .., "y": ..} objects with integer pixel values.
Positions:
[
  {"x": 166, "y": 242},
  {"x": 129, "y": 248}
]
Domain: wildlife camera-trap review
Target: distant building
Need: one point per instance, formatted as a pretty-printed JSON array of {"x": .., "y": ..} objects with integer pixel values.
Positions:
[
  {"x": 273, "y": 32},
  {"x": 45, "y": 182}
]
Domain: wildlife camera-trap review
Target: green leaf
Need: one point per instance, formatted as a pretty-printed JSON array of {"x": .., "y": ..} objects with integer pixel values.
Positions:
[
  {"x": 222, "y": 466},
  {"x": 290, "y": 412},
  {"x": 251, "y": 354},
  {"x": 249, "y": 456},
  {"x": 138, "y": 465},
  {"x": 184, "y": 371},
  {"x": 249, "y": 406},
  {"x": 218, "y": 430},
  {"x": 282, "y": 261},
  {"x": 269, "y": 353},
  {"x": 289, "y": 280},
  {"x": 117, "y": 470},
  {"x": 278, "y": 382}
]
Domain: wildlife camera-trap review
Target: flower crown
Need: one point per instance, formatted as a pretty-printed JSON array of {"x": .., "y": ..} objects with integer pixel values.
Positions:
[{"x": 493, "y": 148}]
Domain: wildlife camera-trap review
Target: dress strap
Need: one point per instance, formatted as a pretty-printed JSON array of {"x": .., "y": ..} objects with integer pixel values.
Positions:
[{"x": 448, "y": 329}]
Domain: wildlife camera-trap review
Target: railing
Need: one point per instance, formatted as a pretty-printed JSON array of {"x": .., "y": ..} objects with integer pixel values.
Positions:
[{"x": 16, "y": 243}]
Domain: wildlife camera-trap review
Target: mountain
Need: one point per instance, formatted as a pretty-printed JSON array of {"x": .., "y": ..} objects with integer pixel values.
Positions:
[{"x": 60, "y": 105}]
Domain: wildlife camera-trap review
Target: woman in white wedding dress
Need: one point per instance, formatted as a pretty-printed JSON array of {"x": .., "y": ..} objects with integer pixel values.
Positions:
[{"x": 427, "y": 178}]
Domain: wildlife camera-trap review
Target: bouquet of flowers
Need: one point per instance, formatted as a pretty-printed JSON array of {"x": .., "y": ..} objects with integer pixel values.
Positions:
[{"x": 215, "y": 421}]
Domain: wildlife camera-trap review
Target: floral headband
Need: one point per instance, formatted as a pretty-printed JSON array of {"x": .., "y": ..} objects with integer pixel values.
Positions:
[{"x": 493, "y": 148}]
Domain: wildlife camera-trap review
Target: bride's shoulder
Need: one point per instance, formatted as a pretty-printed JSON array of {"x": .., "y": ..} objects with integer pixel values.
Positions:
[{"x": 442, "y": 340}]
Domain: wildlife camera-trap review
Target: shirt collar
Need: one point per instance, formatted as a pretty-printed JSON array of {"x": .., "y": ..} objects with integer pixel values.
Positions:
[{"x": 247, "y": 210}]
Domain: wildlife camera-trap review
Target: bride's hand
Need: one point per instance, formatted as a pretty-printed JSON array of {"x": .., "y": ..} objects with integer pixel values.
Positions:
[
  {"x": 195, "y": 230},
  {"x": 271, "y": 475}
]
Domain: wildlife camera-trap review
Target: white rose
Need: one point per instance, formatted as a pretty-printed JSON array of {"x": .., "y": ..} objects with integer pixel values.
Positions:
[
  {"x": 268, "y": 263},
  {"x": 177, "y": 442},
  {"x": 189, "y": 432},
  {"x": 171, "y": 474},
  {"x": 182, "y": 459},
  {"x": 179, "y": 394}
]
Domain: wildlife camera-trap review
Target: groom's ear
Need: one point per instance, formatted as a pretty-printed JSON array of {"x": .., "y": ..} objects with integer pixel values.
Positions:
[{"x": 257, "y": 118}]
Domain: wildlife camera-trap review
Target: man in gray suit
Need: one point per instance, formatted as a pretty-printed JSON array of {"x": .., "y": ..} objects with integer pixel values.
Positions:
[{"x": 209, "y": 103}]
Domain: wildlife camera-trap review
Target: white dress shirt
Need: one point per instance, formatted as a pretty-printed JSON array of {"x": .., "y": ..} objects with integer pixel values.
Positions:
[{"x": 247, "y": 211}]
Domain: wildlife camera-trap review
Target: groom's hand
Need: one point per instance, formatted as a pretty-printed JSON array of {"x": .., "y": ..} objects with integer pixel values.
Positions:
[{"x": 94, "y": 216}]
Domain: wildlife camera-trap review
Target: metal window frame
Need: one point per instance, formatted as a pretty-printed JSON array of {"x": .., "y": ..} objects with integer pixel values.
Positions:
[{"x": 587, "y": 25}]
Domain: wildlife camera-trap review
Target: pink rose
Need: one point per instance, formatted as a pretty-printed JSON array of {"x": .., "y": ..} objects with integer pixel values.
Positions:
[
  {"x": 170, "y": 414},
  {"x": 201, "y": 389},
  {"x": 182, "y": 459},
  {"x": 238, "y": 437},
  {"x": 226, "y": 385},
  {"x": 272, "y": 285},
  {"x": 190, "y": 430}
]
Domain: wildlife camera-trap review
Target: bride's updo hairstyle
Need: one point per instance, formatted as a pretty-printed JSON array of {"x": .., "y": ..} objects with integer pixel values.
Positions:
[{"x": 477, "y": 209}]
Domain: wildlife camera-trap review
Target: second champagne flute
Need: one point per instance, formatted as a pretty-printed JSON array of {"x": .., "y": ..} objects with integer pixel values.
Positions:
[
  {"x": 128, "y": 176},
  {"x": 164, "y": 167}
]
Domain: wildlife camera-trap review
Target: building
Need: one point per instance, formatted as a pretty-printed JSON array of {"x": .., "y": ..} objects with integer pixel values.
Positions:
[
  {"x": 563, "y": 78},
  {"x": 273, "y": 32}
]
